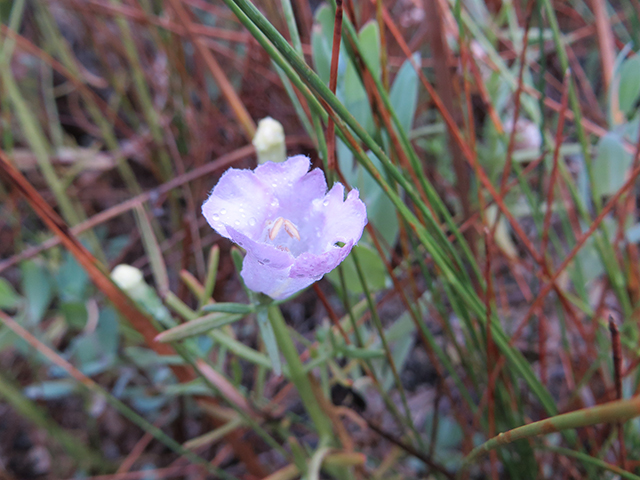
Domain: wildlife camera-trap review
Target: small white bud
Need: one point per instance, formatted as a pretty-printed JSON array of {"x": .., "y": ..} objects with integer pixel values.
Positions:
[
  {"x": 131, "y": 280},
  {"x": 269, "y": 141},
  {"x": 126, "y": 276}
]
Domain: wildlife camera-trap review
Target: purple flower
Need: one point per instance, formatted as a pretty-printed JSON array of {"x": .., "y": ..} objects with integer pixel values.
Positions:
[{"x": 288, "y": 223}]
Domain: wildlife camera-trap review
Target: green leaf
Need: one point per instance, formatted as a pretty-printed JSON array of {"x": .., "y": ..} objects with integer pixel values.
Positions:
[
  {"x": 404, "y": 93},
  {"x": 369, "y": 37},
  {"x": 75, "y": 314},
  {"x": 71, "y": 279},
  {"x": 95, "y": 352},
  {"x": 629, "y": 89},
  {"x": 611, "y": 165},
  {"x": 145, "y": 357},
  {"x": 322, "y": 41},
  {"x": 349, "y": 85},
  {"x": 198, "y": 326},
  {"x": 36, "y": 286},
  {"x": 229, "y": 308},
  {"x": 353, "y": 94},
  {"x": 51, "y": 389},
  {"x": 9, "y": 298},
  {"x": 240, "y": 349},
  {"x": 364, "y": 353},
  {"x": 269, "y": 339}
]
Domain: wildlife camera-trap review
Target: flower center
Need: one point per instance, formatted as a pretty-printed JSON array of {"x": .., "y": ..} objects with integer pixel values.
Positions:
[
  {"x": 289, "y": 227},
  {"x": 281, "y": 224}
]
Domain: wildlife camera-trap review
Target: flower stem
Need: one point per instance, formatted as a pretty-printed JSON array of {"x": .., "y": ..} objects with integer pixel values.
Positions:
[{"x": 299, "y": 377}]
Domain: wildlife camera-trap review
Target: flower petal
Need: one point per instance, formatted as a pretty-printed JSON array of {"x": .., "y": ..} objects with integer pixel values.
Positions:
[
  {"x": 239, "y": 200},
  {"x": 292, "y": 185},
  {"x": 264, "y": 253},
  {"x": 271, "y": 281},
  {"x": 279, "y": 175},
  {"x": 314, "y": 266},
  {"x": 282, "y": 215},
  {"x": 344, "y": 219}
]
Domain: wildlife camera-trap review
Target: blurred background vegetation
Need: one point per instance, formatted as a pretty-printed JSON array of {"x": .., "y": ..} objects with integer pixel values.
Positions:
[{"x": 497, "y": 284}]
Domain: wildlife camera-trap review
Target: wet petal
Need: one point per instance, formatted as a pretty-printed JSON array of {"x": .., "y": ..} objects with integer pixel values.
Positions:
[
  {"x": 315, "y": 266},
  {"x": 271, "y": 281},
  {"x": 238, "y": 200},
  {"x": 282, "y": 215},
  {"x": 265, "y": 253},
  {"x": 280, "y": 175},
  {"x": 344, "y": 219}
]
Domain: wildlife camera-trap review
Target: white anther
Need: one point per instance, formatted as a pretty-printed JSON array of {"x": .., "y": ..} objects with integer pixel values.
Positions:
[
  {"x": 277, "y": 225},
  {"x": 291, "y": 229}
]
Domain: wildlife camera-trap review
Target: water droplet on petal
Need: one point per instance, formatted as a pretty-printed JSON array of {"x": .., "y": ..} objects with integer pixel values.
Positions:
[
  {"x": 275, "y": 202},
  {"x": 215, "y": 216},
  {"x": 223, "y": 212},
  {"x": 326, "y": 203},
  {"x": 252, "y": 221},
  {"x": 236, "y": 223}
]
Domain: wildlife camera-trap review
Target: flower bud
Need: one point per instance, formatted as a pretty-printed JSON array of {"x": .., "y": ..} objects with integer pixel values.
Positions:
[
  {"x": 269, "y": 141},
  {"x": 128, "y": 278},
  {"x": 131, "y": 281}
]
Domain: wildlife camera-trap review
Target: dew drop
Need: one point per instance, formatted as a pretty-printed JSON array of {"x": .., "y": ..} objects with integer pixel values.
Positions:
[
  {"x": 325, "y": 203},
  {"x": 215, "y": 216},
  {"x": 223, "y": 211},
  {"x": 252, "y": 221},
  {"x": 275, "y": 202},
  {"x": 236, "y": 223}
]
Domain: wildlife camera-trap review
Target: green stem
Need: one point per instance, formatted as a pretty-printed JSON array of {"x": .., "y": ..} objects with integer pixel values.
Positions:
[
  {"x": 299, "y": 377},
  {"x": 611, "y": 412}
]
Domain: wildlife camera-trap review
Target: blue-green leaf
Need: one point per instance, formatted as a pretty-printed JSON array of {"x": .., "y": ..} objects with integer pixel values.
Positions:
[
  {"x": 269, "y": 339},
  {"x": 611, "y": 165},
  {"x": 9, "y": 299},
  {"x": 369, "y": 37},
  {"x": 404, "y": 93},
  {"x": 36, "y": 286},
  {"x": 629, "y": 88}
]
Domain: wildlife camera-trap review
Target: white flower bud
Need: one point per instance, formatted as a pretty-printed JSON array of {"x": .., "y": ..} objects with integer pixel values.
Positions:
[
  {"x": 126, "y": 276},
  {"x": 131, "y": 280},
  {"x": 269, "y": 141}
]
